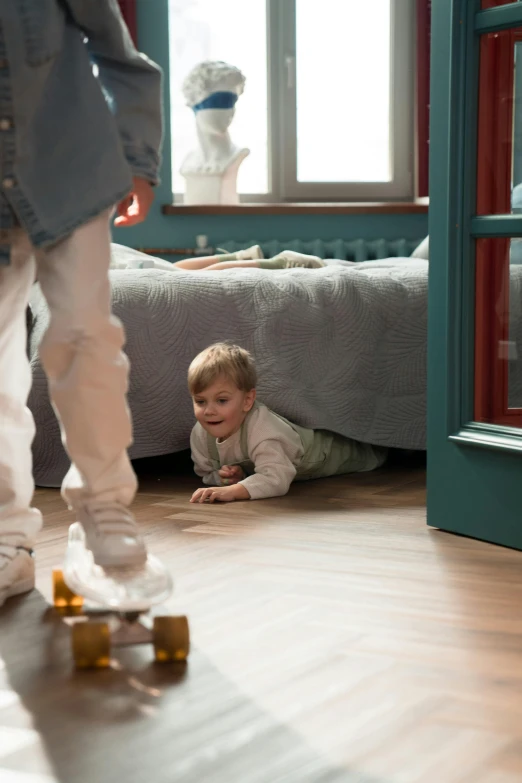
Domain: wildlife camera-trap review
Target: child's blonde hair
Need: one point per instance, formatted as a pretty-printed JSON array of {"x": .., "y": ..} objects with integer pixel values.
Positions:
[{"x": 222, "y": 360}]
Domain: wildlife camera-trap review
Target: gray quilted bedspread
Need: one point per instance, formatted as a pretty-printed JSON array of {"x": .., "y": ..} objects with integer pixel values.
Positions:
[{"x": 341, "y": 348}]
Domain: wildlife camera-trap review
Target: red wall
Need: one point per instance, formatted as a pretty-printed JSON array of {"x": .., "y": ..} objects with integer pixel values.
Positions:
[{"x": 128, "y": 8}]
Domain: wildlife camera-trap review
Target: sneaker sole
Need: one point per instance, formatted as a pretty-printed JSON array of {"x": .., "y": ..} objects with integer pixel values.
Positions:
[{"x": 305, "y": 265}]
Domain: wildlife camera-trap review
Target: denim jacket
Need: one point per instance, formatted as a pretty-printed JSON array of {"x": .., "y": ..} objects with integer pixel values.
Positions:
[{"x": 71, "y": 137}]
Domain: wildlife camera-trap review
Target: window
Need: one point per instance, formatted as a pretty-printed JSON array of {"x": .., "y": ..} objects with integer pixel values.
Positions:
[
  {"x": 327, "y": 107},
  {"x": 498, "y": 259},
  {"x": 233, "y": 31}
]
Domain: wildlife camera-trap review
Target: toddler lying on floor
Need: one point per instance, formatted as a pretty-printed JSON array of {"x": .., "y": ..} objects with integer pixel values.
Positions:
[{"x": 245, "y": 451}]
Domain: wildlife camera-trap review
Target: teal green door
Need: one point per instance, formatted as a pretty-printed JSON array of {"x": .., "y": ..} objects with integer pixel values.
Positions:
[{"x": 475, "y": 291}]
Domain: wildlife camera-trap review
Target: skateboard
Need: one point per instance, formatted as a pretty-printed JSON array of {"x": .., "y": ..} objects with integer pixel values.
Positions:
[{"x": 109, "y": 607}]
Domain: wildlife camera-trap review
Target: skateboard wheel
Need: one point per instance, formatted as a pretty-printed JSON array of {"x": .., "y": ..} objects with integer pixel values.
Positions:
[
  {"x": 171, "y": 639},
  {"x": 63, "y": 597},
  {"x": 91, "y": 645}
]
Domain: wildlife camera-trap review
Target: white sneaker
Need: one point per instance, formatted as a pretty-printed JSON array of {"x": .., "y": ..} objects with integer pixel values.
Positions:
[
  {"x": 294, "y": 259},
  {"x": 253, "y": 253},
  {"x": 112, "y": 535},
  {"x": 289, "y": 259},
  {"x": 16, "y": 571}
]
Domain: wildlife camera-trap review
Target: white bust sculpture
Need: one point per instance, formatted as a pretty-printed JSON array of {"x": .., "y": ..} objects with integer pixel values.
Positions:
[{"x": 211, "y": 89}]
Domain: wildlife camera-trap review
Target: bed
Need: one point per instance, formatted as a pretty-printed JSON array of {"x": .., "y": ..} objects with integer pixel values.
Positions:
[{"x": 341, "y": 348}]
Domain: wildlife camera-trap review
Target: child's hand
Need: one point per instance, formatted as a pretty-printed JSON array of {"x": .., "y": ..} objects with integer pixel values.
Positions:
[
  {"x": 231, "y": 474},
  {"x": 134, "y": 208},
  {"x": 222, "y": 494}
]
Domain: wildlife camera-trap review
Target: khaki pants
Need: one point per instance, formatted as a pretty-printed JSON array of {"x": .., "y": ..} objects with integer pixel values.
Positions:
[
  {"x": 87, "y": 372},
  {"x": 329, "y": 454}
]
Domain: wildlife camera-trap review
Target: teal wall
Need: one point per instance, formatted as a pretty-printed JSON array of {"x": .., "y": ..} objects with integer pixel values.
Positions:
[{"x": 168, "y": 231}]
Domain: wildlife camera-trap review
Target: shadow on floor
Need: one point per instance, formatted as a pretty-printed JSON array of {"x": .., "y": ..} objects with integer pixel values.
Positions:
[{"x": 138, "y": 722}]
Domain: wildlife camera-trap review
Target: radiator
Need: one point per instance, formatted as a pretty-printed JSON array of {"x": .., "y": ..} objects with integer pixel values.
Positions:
[{"x": 355, "y": 250}]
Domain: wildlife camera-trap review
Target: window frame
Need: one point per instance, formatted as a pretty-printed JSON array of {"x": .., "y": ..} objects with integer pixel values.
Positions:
[
  {"x": 497, "y": 100},
  {"x": 282, "y": 32},
  {"x": 283, "y": 186}
]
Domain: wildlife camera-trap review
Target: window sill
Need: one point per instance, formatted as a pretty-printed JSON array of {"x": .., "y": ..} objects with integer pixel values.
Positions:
[{"x": 334, "y": 208}]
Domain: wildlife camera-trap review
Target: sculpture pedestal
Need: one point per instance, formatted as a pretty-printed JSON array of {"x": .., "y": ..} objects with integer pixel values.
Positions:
[{"x": 205, "y": 188}]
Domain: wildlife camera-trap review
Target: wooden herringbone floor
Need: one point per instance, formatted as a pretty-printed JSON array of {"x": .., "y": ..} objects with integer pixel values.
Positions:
[{"x": 335, "y": 639}]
